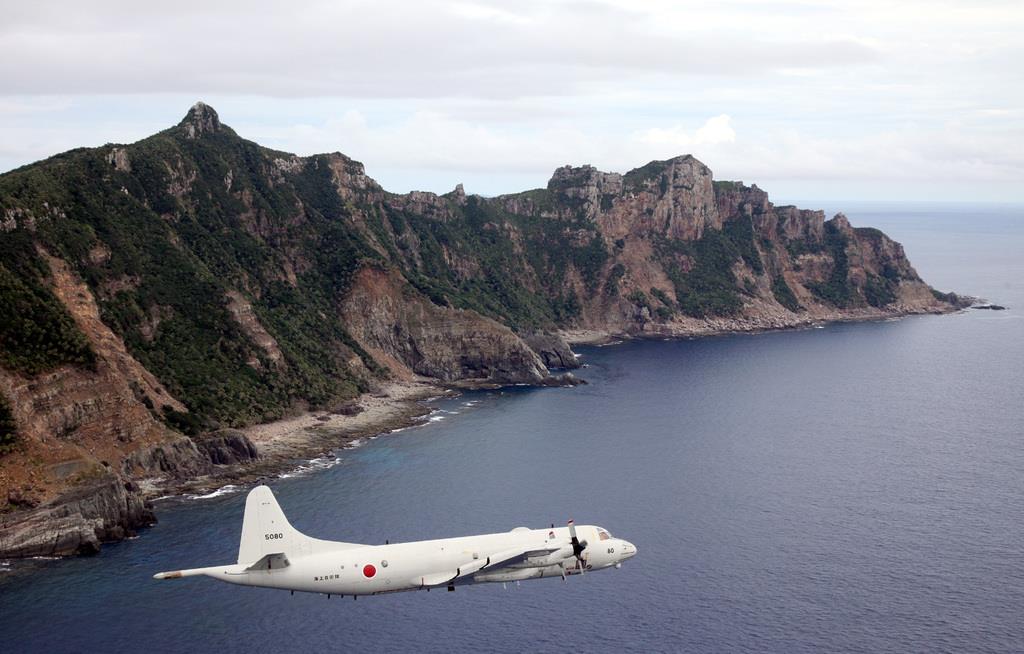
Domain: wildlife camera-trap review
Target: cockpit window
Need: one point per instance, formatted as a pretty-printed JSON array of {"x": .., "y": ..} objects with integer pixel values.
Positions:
[{"x": 603, "y": 535}]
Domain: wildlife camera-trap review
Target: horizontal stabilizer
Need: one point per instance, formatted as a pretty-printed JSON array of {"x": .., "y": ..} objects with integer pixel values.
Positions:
[
  {"x": 275, "y": 561},
  {"x": 219, "y": 572}
]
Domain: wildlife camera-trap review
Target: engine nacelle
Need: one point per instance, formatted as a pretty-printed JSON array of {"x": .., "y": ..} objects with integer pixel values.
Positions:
[
  {"x": 545, "y": 560},
  {"x": 509, "y": 574}
]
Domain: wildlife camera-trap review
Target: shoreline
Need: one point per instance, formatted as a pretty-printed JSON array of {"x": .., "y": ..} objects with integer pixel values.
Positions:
[
  {"x": 691, "y": 329},
  {"x": 284, "y": 445}
]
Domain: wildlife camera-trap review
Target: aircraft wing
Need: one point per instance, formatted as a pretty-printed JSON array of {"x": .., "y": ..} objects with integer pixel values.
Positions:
[{"x": 492, "y": 562}]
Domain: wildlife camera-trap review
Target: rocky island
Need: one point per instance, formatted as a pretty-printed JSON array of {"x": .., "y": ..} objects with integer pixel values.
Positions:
[{"x": 196, "y": 307}]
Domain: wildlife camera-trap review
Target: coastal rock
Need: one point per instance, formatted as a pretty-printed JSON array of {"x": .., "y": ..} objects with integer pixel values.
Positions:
[
  {"x": 77, "y": 522},
  {"x": 552, "y": 349},
  {"x": 991, "y": 307},
  {"x": 176, "y": 458},
  {"x": 405, "y": 331},
  {"x": 227, "y": 447},
  {"x": 567, "y": 379}
]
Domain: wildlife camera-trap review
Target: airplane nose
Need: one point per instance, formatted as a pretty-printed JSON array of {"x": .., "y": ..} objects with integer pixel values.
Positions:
[{"x": 628, "y": 550}]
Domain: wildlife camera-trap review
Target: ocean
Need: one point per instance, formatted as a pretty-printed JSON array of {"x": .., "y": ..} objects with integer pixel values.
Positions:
[{"x": 851, "y": 488}]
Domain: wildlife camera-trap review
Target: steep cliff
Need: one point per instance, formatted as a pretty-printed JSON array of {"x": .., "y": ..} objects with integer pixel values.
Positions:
[{"x": 159, "y": 293}]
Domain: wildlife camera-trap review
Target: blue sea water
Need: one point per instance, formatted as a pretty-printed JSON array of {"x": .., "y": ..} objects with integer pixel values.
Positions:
[{"x": 855, "y": 488}]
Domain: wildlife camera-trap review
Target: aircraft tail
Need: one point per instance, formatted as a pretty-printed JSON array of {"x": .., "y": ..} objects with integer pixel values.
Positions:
[{"x": 265, "y": 529}]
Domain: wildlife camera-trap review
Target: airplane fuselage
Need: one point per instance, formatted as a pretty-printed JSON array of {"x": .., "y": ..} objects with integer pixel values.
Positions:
[
  {"x": 373, "y": 569},
  {"x": 272, "y": 554}
]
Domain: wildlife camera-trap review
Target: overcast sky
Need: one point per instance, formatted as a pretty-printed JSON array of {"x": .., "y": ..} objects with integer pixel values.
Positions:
[{"x": 873, "y": 99}]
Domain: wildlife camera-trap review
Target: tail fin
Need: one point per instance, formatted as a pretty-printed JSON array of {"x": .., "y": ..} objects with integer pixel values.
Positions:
[{"x": 265, "y": 530}]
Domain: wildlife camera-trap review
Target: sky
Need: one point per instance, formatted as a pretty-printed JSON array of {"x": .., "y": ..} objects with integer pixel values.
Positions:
[{"x": 867, "y": 100}]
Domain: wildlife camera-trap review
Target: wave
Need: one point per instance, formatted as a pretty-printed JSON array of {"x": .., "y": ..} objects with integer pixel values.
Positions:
[
  {"x": 223, "y": 490},
  {"x": 312, "y": 465}
]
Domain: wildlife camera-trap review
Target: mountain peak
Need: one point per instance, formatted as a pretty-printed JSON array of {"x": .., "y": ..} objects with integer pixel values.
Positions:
[{"x": 200, "y": 119}]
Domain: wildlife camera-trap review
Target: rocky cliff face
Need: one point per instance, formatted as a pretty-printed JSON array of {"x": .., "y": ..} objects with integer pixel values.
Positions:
[
  {"x": 157, "y": 295},
  {"x": 401, "y": 327}
]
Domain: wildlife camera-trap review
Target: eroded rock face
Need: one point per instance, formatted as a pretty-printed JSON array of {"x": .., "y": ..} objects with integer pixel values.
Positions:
[
  {"x": 553, "y": 350},
  {"x": 201, "y": 119},
  {"x": 104, "y": 509},
  {"x": 227, "y": 447},
  {"x": 241, "y": 310},
  {"x": 408, "y": 333},
  {"x": 89, "y": 431},
  {"x": 73, "y": 413}
]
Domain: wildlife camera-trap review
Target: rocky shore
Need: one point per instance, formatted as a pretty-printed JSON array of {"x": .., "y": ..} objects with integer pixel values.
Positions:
[
  {"x": 111, "y": 509},
  {"x": 748, "y": 325}
]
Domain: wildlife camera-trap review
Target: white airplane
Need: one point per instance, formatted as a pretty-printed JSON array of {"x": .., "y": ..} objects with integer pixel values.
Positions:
[{"x": 272, "y": 554}]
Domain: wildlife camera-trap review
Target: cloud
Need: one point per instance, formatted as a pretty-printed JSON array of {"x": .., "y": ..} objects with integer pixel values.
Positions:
[
  {"x": 500, "y": 93},
  {"x": 358, "y": 50},
  {"x": 677, "y": 138},
  {"x": 434, "y": 151}
]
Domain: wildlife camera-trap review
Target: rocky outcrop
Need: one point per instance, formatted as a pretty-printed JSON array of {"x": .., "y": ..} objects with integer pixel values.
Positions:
[
  {"x": 408, "y": 333},
  {"x": 201, "y": 119},
  {"x": 553, "y": 350},
  {"x": 104, "y": 508},
  {"x": 102, "y": 416},
  {"x": 227, "y": 447},
  {"x": 241, "y": 311}
]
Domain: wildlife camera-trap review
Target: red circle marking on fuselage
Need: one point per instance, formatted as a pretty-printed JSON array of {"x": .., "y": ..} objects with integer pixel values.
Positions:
[{"x": 369, "y": 570}]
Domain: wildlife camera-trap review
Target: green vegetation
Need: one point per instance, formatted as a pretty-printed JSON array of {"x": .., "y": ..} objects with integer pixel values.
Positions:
[
  {"x": 492, "y": 289},
  {"x": 837, "y": 289},
  {"x": 36, "y": 331},
  {"x": 784, "y": 294},
  {"x": 869, "y": 232},
  {"x": 879, "y": 290},
  {"x": 800, "y": 246},
  {"x": 178, "y": 236},
  {"x": 611, "y": 286},
  {"x": 740, "y": 234},
  {"x": 662, "y": 296},
  {"x": 638, "y": 297},
  {"x": 638, "y": 178},
  {"x": 8, "y": 428},
  {"x": 163, "y": 242},
  {"x": 724, "y": 185},
  {"x": 666, "y": 309},
  {"x": 709, "y": 287},
  {"x": 496, "y": 283},
  {"x": 951, "y": 298}
]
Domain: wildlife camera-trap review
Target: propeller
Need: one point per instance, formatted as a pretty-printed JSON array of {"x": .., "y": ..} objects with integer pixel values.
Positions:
[{"x": 578, "y": 546}]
